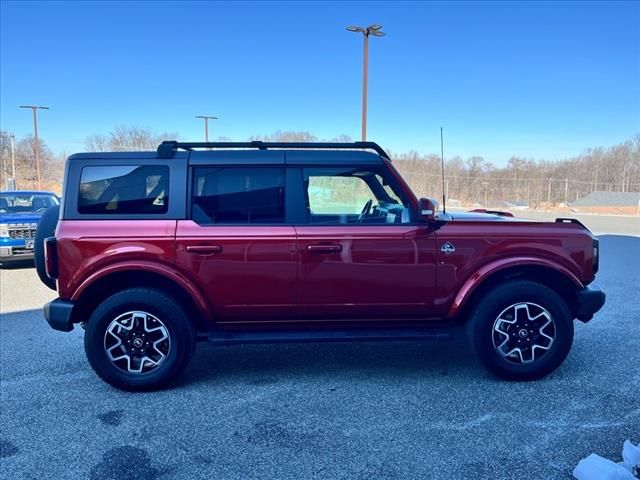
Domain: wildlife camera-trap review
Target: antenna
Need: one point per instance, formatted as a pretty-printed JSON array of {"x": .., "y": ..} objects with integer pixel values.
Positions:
[{"x": 444, "y": 200}]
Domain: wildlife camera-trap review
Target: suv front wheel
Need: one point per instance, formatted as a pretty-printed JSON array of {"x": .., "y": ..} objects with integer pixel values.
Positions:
[
  {"x": 139, "y": 339},
  {"x": 521, "y": 330}
]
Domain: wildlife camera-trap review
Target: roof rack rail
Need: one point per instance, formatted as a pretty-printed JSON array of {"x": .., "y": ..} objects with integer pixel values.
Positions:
[{"x": 167, "y": 148}]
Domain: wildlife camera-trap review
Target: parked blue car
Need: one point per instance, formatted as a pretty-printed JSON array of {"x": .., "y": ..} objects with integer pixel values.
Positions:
[{"x": 20, "y": 213}]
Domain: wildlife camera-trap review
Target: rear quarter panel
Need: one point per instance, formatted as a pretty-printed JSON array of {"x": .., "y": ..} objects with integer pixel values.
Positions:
[{"x": 86, "y": 247}]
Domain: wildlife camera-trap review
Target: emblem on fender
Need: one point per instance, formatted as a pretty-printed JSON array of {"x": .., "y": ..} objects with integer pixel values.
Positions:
[{"x": 447, "y": 248}]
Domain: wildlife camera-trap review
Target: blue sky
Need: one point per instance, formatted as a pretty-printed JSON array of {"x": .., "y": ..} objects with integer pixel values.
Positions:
[{"x": 540, "y": 79}]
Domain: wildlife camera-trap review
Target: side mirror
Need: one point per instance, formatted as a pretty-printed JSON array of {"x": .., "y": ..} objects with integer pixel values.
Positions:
[{"x": 428, "y": 209}]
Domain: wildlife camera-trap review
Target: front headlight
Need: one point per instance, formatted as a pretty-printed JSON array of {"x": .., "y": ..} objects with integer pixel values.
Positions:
[{"x": 4, "y": 230}]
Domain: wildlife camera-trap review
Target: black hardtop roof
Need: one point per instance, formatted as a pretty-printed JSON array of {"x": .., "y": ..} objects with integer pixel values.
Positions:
[{"x": 250, "y": 152}]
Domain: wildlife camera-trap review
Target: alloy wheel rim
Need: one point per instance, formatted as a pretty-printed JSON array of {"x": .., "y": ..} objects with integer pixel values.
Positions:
[
  {"x": 523, "y": 332},
  {"x": 137, "y": 342}
]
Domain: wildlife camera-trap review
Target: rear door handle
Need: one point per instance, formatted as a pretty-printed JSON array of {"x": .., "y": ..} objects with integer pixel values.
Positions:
[
  {"x": 204, "y": 249},
  {"x": 324, "y": 248}
]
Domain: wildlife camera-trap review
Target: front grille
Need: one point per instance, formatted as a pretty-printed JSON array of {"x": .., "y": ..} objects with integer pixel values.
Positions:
[
  {"x": 22, "y": 234},
  {"x": 24, "y": 231}
]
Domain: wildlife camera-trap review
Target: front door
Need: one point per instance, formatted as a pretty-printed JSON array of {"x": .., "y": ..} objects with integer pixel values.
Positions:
[
  {"x": 362, "y": 253},
  {"x": 236, "y": 244}
]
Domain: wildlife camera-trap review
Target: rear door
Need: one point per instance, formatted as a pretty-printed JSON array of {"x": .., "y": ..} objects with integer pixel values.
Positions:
[
  {"x": 362, "y": 256},
  {"x": 235, "y": 242}
]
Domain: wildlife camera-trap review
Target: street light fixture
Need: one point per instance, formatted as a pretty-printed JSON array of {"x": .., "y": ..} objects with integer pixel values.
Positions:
[
  {"x": 206, "y": 125},
  {"x": 36, "y": 145},
  {"x": 376, "y": 31}
]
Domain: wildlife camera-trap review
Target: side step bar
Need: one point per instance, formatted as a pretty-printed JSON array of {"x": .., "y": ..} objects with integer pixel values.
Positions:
[{"x": 231, "y": 337}]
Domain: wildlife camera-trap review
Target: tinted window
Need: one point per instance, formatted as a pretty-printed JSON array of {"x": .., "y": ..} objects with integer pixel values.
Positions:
[
  {"x": 353, "y": 196},
  {"x": 238, "y": 195},
  {"x": 26, "y": 202},
  {"x": 337, "y": 194},
  {"x": 124, "y": 189}
]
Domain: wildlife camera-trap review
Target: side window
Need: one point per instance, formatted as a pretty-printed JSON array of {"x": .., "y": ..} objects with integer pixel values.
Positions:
[
  {"x": 346, "y": 196},
  {"x": 337, "y": 194},
  {"x": 124, "y": 189},
  {"x": 238, "y": 195}
]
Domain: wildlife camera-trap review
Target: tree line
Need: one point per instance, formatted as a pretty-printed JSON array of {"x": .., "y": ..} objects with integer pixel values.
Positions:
[{"x": 471, "y": 181}]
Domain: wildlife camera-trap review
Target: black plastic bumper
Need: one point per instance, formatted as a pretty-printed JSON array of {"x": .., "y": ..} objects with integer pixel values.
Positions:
[
  {"x": 16, "y": 257},
  {"x": 590, "y": 300},
  {"x": 58, "y": 313}
]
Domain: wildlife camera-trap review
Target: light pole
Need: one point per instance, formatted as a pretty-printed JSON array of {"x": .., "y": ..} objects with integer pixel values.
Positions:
[
  {"x": 206, "y": 125},
  {"x": 374, "y": 30},
  {"x": 36, "y": 146}
]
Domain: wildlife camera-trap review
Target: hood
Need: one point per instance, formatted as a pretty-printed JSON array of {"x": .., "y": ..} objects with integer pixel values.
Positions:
[
  {"x": 20, "y": 217},
  {"x": 485, "y": 216}
]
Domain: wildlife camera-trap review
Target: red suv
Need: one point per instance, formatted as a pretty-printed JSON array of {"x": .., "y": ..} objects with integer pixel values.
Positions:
[{"x": 273, "y": 242}]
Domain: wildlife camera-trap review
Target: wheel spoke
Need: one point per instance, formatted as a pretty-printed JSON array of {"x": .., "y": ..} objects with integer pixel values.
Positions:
[
  {"x": 137, "y": 342},
  {"x": 523, "y": 332}
]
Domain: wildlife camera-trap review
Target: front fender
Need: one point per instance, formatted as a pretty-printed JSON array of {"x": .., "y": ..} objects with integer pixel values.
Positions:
[
  {"x": 149, "y": 267},
  {"x": 477, "y": 278}
]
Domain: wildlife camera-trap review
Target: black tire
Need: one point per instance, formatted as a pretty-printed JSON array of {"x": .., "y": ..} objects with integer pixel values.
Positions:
[
  {"x": 46, "y": 228},
  {"x": 181, "y": 333},
  {"x": 483, "y": 339}
]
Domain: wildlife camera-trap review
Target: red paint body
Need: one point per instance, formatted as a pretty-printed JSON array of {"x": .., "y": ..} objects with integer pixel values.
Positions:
[{"x": 258, "y": 275}]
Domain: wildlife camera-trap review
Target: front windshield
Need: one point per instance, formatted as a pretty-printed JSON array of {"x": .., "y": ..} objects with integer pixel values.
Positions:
[{"x": 26, "y": 202}]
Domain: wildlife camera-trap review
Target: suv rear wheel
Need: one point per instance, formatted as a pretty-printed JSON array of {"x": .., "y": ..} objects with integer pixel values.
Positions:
[
  {"x": 139, "y": 339},
  {"x": 521, "y": 330}
]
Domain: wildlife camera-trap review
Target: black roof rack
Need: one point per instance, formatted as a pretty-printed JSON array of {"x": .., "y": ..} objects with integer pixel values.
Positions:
[{"x": 167, "y": 148}]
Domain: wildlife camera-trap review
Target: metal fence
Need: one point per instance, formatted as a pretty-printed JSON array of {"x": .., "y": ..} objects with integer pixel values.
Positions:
[{"x": 492, "y": 191}]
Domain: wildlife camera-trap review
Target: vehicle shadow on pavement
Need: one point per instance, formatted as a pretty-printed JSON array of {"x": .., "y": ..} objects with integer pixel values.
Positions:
[{"x": 261, "y": 364}]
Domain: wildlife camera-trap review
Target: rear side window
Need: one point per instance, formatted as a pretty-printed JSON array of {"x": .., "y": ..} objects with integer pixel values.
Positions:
[
  {"x": 124, "y": 190},
  {"x": 238, "y": 195}
]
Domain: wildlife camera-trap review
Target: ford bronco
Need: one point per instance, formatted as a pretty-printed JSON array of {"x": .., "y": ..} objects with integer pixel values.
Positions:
[{"x": 294, "y": 242}]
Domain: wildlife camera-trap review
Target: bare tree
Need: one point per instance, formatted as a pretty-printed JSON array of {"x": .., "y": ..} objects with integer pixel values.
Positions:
[
  {"x": 123, "y": 138},
  {"x": 287, "y": 136},
  {"x": 97, "y": 143},
  {"x": 51, "y": 166},
  {"x": 533, "y": 182}
]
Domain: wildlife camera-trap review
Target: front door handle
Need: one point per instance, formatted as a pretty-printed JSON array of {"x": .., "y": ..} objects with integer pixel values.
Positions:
[
  {"x": 324, "y": 248},
  {"x": 204, "y": 249}
]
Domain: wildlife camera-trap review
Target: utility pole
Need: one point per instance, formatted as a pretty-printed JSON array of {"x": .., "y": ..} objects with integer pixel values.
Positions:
[
  {"x": 374, "y": 30},
  {"x": 36, "y": 146},
  {"x": 5, "y": 172},
  {"x": 13, "y": 156},
  {"x": 549, "y": 194},
  {"x": 566, "y": 192},
  {"x": 486, "y": 193},
  {"x": 206, "y": 125}
]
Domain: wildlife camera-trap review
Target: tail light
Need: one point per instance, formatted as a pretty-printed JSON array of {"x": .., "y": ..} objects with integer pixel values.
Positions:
[
  {"x": 596, "y": 255},
  {"x": 51, "y": 257}
]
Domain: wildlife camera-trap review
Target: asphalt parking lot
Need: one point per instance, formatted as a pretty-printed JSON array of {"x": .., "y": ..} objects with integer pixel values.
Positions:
[{"x": 383, "y": 411}]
